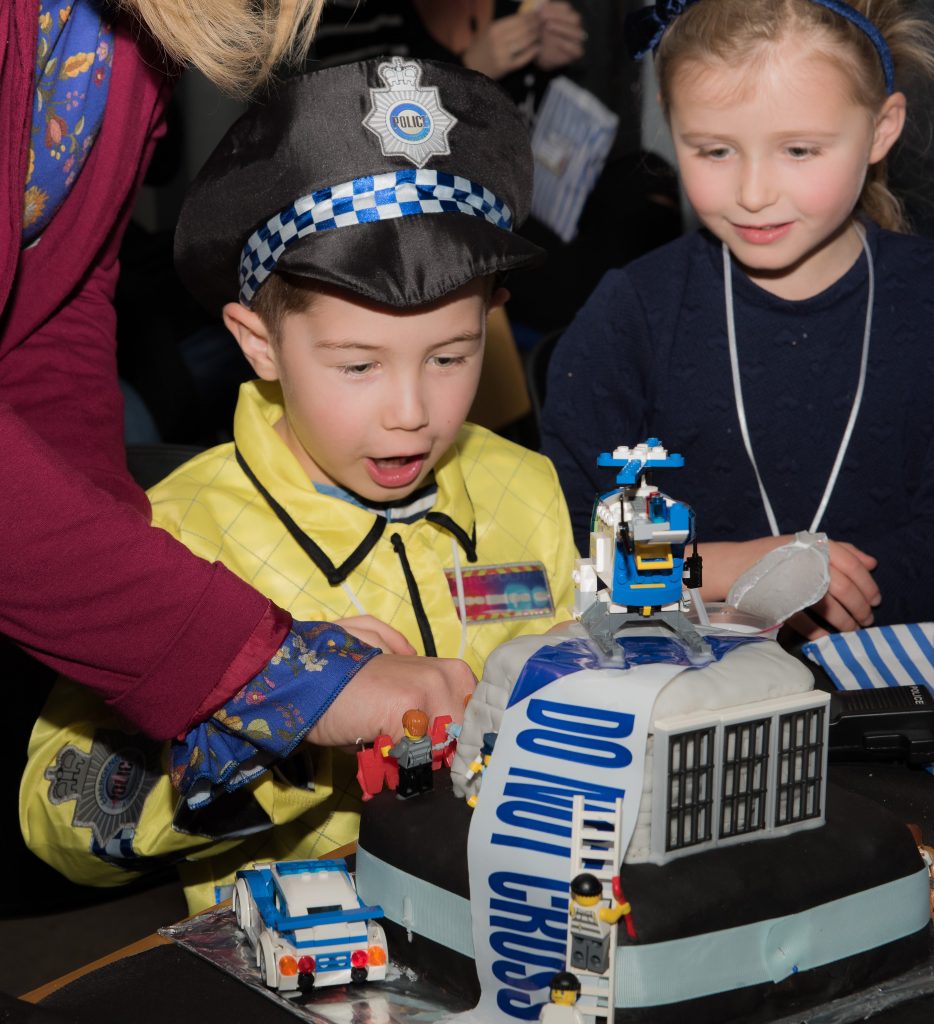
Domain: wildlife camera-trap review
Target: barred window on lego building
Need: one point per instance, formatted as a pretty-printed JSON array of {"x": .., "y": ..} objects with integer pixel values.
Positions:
[
  {"x": 744, "y": 779},
  {"x": 800, "y": 766},
  {"x": 738, "y": 773},
  {"x": 690, "y": 788}
]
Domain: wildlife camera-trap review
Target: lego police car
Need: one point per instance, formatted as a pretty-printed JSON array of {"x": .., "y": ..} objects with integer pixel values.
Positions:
[{"x": 308, "y": 926}]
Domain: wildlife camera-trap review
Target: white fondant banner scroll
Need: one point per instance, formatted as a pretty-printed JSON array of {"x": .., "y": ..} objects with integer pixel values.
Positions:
[{"x": 584, "y": 733}]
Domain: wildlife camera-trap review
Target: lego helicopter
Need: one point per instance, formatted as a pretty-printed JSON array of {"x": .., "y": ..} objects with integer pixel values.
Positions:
[{"x": 638, "y": 566}]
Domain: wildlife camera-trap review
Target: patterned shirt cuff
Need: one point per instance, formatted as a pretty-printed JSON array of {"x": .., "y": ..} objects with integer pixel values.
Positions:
[{"x": 265, "y": 720}]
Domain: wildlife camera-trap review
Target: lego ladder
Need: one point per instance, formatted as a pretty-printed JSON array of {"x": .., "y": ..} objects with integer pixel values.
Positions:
[{"x": 595, "y": 847}]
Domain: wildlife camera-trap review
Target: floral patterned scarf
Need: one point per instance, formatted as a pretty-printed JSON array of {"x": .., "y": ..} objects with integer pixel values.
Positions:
[{"x": 74, "y": 55}]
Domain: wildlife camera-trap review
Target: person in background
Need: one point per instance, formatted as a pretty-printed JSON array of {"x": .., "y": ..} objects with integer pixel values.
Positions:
[
  {"x": 519, "y": 44},
  {"x": 785, "y": 347},
  {"x": 635, "y": 203}
]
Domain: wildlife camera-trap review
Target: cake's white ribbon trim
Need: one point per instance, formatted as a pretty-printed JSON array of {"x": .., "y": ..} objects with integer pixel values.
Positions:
[
  {"x": 693, "y": 967},
  {"x": 701, "y": 965},
  {"x": 419, "y": 906}
]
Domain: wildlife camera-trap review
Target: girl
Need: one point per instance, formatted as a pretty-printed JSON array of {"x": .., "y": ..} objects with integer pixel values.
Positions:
[{"x": 785, "y": 347}]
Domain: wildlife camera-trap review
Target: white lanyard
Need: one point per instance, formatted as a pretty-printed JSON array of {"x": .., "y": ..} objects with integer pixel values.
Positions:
[
  {"x": 738, "y": 391},
  {"x": 461, "y": 600}
]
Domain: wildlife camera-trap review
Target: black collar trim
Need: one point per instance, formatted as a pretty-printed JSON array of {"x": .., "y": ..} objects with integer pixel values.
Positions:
[
  {"x": 334, "y": 574},
  {"x": 468, "y": 543}
]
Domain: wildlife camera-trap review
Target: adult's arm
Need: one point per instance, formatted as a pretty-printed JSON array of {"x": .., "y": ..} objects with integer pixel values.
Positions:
[
  {"x": 58, "y": 326},
  {"x": 90, "y": 588},
  {"x": 86, "y": 585},
  {"x": 62, "y": 383}
]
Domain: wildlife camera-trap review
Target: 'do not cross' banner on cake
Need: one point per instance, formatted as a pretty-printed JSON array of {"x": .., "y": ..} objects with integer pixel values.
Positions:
[{"x": 575, "y": 724}]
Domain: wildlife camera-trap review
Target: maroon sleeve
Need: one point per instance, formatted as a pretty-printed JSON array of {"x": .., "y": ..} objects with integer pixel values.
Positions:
[
  {"x": 86, "y": 584},
  {"x": 90, "y": 588},
  {"x": 62, "y": 382}
]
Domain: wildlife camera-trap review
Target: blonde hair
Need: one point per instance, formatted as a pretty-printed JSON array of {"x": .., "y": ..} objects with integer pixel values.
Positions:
[
  {"x": 731, "y": 32},
  {"x": 236, "y": 43}
]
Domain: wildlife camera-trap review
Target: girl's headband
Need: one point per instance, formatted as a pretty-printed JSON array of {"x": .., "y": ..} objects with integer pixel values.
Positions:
[{"x": 645, "y": 28}]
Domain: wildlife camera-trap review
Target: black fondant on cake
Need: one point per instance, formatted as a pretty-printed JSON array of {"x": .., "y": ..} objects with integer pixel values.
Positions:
[{"x": 860, "y": 847}]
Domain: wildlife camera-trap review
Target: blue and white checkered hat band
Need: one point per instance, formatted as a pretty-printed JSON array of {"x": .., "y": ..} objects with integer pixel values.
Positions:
[{"x": 405, "y": 193}]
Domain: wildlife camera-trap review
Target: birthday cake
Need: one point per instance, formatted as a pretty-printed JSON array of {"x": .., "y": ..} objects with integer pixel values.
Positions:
[{"x": 683, "y": 772}]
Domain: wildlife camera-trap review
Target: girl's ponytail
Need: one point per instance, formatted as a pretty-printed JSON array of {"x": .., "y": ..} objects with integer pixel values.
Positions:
[{"x": 878, "y": 202}]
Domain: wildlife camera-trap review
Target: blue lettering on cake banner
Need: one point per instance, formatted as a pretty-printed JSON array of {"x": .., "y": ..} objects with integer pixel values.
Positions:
[{"x": 584, "y": 732}]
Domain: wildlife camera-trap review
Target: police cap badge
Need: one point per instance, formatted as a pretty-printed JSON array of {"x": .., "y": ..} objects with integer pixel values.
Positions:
[{"x": 397, "y": 180}]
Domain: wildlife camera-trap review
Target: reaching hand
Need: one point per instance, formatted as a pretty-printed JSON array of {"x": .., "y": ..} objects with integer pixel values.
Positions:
[
  {"x": 562, "y": 35},
  {"x": 504, "y": 45},
  {"x": 850, "y": 598},
  {"x": 376, "y": 633},
  {"x": 726, "y": 561},
  {"x": 377, "y": 697}
]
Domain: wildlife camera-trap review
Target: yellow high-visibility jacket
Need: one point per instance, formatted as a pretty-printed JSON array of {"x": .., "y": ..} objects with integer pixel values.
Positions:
[{"x": 492, "y": 559}]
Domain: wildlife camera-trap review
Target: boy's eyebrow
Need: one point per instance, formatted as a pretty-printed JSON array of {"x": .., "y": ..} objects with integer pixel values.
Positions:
[
  {"x": 460, "y": 336},
  {"x": 346, "y": 344}
]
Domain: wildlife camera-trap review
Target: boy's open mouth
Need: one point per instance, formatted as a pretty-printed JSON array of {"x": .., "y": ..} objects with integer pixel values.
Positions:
[{"x": 396, "y": 471}]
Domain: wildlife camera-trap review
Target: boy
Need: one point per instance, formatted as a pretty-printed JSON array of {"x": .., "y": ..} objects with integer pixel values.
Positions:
[{"x": 375, "y": 201}]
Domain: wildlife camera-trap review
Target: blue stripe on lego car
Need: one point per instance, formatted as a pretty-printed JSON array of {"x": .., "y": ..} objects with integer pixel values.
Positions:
[
  {"x": 356, "y": 940},
  {"x": 283, "y": 922}
]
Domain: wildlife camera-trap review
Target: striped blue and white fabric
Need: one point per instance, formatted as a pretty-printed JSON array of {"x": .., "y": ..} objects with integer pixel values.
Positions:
[
  {"x": 878, "y": 657},
  {"x": 571, "y": 140}
]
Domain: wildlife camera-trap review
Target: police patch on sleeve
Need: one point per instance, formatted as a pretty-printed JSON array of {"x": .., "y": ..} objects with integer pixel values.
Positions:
[
  {"x": 493, "y": 593},
  {"x": 408, "y": 120},
  {"x": 109, "y": 786}
]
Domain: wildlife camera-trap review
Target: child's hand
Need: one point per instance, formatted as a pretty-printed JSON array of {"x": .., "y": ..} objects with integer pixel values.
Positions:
[
  {"x": 850, "y": 598},
  {"x": 726, "y": 561},
  {"x": 505, "y": 45},
  {"x": 563, "y": 36},
  {"x": 377, "y": 697},
  {"x": 376, "y": 633}
]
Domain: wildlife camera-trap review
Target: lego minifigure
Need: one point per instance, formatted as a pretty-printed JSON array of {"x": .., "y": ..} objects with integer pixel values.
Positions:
[
  {"x": 413, "y": 755},
  {"x": 638, "y": 563},
  {"x": 927, "y": 857},
  {"x": 590, "y": 924},
  {"x": 479, "y": 765},
  {"x": 565, "y": 988}
]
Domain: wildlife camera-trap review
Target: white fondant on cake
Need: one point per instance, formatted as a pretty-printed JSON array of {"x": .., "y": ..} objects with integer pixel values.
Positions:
[{"x": 759, "y": 671}]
